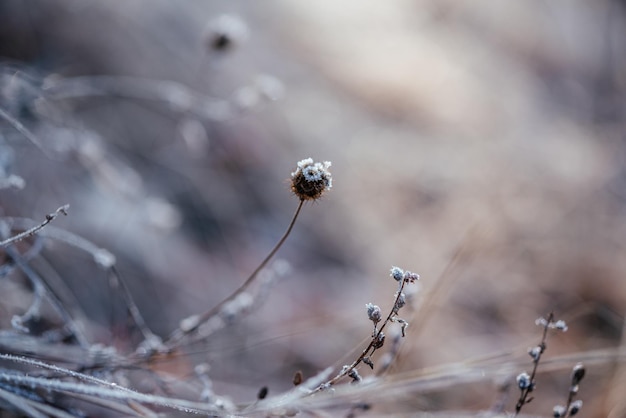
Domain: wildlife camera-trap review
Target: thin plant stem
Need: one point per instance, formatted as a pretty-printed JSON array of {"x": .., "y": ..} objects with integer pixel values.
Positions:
[
  {"x": 60, "y": 370},
  {"x": 109, "y": 392},
  {"x": 133, "y": 310},
  {"x": 32, "y": 231},
  {"x": 179, "y": 334},
  {"x": 372, "y": 345},
  {"x": 523, "y": 399}
]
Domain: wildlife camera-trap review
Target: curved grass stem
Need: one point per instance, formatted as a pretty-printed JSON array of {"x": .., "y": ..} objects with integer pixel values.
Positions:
[{"x": 179, "y": 334}]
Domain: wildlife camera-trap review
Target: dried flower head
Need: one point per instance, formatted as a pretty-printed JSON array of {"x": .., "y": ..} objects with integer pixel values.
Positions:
[
  {"x": 311, "y": 180},
  {"x": 560, "y": 325},
  {"x": 374, "y": 313},
  {"x": 411, "y": 277}
]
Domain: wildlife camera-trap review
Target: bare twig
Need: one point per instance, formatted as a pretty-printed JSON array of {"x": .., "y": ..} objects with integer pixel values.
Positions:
[
  {"x": 378, "y": 337},
  {"x": 526, "y": 382},
  {"x": 101, "y": 256},
  {"x": 527, "y": 389},
  {"x": 32, "y": 231}
]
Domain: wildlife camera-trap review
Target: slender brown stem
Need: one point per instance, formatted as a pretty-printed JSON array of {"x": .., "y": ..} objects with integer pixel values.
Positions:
[
  {"x": 372, "y": 345},
  {"x": 523, "y": 399},
  {"x": 179, "y": 334}
]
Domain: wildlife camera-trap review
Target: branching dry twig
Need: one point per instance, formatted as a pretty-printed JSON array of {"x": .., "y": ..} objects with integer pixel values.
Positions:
[
  {"x": 378, "y": 336},
  {"x": 527, "y": 382}
]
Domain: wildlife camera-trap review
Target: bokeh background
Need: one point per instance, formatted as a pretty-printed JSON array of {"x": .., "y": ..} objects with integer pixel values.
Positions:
[{"x": 480, "y": 144}]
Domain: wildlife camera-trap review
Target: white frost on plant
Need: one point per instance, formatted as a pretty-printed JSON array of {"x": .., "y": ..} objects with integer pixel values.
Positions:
[{"x": 314, "y": 171}]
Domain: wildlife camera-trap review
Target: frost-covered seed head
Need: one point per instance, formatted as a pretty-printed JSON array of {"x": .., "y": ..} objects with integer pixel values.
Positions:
[
  {"x": 578, "y": 372},
  {"x": 575, "y": 407},
  {"x": 397, "y": 273},
  {"x": 523, "y": 380},
  {"x": 380, "y": 340},
  {"x": 560, "y": 325},
  {"x": 558, "y": 411},
  {"x": 374, "y": 313},
  {"x": 311, "y": 180},
  {"x": 535, "y": 353},
  {"x": 355, "y": 376},
  {"x": 411, "y": 277}
]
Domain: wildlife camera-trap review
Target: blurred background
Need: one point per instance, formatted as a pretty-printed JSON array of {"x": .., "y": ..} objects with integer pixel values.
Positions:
[{"x": 479, "y": 144}]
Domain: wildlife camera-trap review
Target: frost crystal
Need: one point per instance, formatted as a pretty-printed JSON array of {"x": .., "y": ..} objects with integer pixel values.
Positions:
[{"x": 311, "y": 180}]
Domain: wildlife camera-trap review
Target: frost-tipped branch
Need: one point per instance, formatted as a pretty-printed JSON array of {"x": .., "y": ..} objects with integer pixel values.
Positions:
[
  {"x": 526, "y": 382},
  {"x": 378, "y": 336},
  {"x": 101, "y": 256},
  {"x": 32, "y": 231}
]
